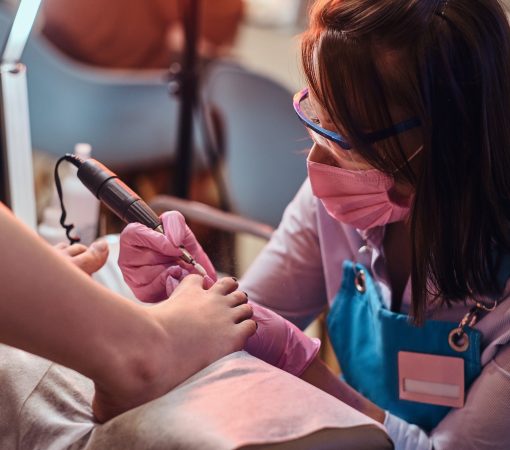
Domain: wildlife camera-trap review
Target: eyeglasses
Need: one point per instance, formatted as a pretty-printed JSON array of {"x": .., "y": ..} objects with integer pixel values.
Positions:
[{"x": 304, "y": 111}]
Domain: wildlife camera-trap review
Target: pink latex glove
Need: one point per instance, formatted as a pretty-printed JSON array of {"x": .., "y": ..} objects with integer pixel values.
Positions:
[
  {"x": 152, "y": 268},
  {"x": 150, "y": 261},
  {"x": 280, "y": 343}
]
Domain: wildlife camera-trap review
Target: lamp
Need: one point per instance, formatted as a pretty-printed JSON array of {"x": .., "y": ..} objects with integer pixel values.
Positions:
[{"x": 17, "y": 184}]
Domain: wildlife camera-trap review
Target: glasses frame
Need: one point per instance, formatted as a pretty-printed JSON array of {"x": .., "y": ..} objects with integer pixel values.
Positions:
[{"x": 338, "y": 139}]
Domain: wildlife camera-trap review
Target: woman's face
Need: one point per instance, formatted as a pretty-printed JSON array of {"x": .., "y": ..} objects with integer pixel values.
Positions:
[{"x": 328, "y": 152}]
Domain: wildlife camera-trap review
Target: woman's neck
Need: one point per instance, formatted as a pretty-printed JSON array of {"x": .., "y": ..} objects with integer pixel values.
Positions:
[{"x": 397, "y": 251}]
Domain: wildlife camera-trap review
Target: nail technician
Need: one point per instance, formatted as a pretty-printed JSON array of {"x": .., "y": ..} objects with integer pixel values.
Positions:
[{"x": 402, "y": 228}]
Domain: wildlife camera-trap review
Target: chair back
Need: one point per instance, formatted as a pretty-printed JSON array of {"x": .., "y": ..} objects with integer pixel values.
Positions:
[
  {"x": 127, "y": 116},
  {"x": 265, "y": 144}
]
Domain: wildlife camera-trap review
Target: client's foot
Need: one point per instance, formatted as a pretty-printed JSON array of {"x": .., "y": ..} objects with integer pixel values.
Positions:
[{"x": 89, "y": 259}]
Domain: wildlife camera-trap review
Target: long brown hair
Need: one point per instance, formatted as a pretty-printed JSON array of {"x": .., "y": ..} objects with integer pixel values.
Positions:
[{"x": 446, "y": 62}]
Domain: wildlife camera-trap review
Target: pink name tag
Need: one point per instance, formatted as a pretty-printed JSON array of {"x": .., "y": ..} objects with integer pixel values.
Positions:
[{"x": 438, "y": 380}]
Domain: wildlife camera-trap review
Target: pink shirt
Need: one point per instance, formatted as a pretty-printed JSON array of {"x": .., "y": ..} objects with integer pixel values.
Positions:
[{"x": 299, "y": 273}]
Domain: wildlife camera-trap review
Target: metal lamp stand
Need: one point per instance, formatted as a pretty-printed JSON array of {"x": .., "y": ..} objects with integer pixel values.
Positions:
[
  {"x": 186, "y": 78},
  {"x": 17, "y": 183},
  {"x": 17, "y": 190}
]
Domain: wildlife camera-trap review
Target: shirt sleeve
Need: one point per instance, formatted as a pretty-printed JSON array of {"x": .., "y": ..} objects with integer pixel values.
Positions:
[
  {"x": 406, "y": 436},
  {"x": 287, "y": 276},
  {"x": 482, "y": 424}
]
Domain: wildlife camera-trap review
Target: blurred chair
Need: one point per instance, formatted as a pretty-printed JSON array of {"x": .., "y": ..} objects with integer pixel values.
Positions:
[
  {"x": 264, "y": 143},
  {"x": 127, "y": 116}
]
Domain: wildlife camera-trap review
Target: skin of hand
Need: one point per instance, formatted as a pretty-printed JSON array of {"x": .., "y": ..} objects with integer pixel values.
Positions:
[
  {"x": 132, "y": 352},
  {"x": 322, "y": 377},
  {"x": 89, "y": 259}
]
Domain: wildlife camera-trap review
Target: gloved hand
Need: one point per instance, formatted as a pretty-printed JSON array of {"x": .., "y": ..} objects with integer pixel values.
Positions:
[
  {"x": 280, "y": 343},
  {"x": 150, "y": 261},
  {"x": 152, "y": 268}
]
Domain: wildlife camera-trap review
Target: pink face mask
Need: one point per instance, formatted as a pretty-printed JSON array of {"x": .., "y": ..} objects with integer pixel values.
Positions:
[{"x": 363, "y": 199}]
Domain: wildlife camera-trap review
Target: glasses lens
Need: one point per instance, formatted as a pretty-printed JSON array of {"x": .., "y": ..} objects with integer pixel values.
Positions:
[
  {"x": 309, "y": 114},
  {"x": 333, "y": 155},
  {"x": 307, "y": 110},
  {"x": 322, "y": 141}
]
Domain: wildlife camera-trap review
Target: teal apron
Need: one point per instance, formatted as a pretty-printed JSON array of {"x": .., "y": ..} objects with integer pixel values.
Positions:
[{"x": 367, "y": 337}]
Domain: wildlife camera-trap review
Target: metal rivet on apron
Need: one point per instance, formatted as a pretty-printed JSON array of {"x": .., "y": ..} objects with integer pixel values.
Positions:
[
  {"x": 458, "y": 340},
  {"x": 359, "y": 281},
  {"x": 364, "y": 249}
]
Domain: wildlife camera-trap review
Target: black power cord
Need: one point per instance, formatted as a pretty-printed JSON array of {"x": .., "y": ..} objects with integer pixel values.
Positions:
[
  {"x": 110, "y": 190},
  {"x": 76, "y": 161}
]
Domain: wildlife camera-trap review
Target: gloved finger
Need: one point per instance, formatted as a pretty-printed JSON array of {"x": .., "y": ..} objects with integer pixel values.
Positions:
[
  {"x": 149, "y": 260},
  {"x": 179, "y": 234},
  {"x": 175, "y": 228},
  {"x": 149, "y": 283},
  {"x": 280, "y": 343},
  {"x": 268, "y": 342},
  {"x": 176, "y": 272},
  {"x": 225, "y": 285},
  {"x": 174, "y": 275},
  {"x": 136, "y": 276},
  {"x": 171, "y": 285},
  {"x": 139, "y": 238}
]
